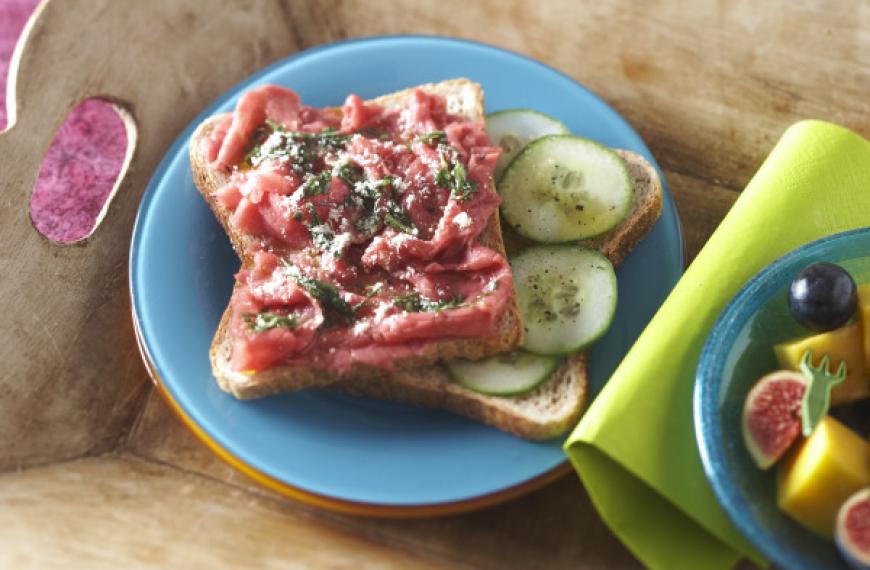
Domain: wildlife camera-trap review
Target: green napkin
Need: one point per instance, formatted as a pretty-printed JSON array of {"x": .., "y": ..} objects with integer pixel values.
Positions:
[{"x": 635, "y": 447}]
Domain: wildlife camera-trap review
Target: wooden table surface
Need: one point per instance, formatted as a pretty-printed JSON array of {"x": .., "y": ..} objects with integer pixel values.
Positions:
[{"x": 95, "y": 471}]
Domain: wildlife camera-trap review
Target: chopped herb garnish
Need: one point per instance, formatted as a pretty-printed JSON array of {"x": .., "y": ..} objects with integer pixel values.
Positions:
[
  {"x": 268, "y": 320},
  {"x": 369, "y": 223},
  {"x": 414, "y": 303},
  {"x": 442, "y": 177},
  {"x": 398, "y": 223},
  {"x": 367, "y": 190},
  {"x": 350, "y": 174},
  {"x": 323, "y": 238},
  {"x": 370, "y": 132},
  {"x": 302, "y": 150},
  {"x": 312, "y": 215},
  {"x": 462, "y": 188},
  {"x": 365, "y": 196},
  {"x": 322, "y": 235},
  {"x": 375, "y": 134},
  {"x": 275, "y": 126},
  {"x": 433, "y": 138},
  {"x": 316, "y": 184},
  {"x": 372, "y": 291},
  {"x": 397, "y": 219},
  {"x": 253, "y": 153},
  {"x": 326, "y": 293},
  {"x": 453, "y": 176}
]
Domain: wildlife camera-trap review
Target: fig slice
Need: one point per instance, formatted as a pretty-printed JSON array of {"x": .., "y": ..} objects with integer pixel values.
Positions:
[
  {"x": 772, "y": 415},
  {"x": 852, "y": 533}
]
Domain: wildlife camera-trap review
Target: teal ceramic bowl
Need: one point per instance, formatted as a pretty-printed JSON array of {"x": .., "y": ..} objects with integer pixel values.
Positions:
[{"x": 738, "y": 351}]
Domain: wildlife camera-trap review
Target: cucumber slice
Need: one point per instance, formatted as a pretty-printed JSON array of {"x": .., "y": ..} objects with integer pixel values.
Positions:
[
  {"x": 513, "y": 129},
  {"x": 563, "y": 188},
  {"x": 509, "y": 374},
  {"x": 567, "y": 297}
]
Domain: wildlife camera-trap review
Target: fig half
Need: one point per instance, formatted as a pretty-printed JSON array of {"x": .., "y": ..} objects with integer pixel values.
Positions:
[
  {"x": 772, "y": 417},
  {"x": 852, "y": 533}
]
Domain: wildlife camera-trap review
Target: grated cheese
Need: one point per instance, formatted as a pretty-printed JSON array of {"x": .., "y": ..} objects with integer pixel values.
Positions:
[
  {"x": 462, "y": 220},
  {"x": 381, "y": 312}
]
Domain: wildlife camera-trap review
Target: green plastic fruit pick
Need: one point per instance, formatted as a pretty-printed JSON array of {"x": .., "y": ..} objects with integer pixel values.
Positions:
[{"x": 817, "y": 398}]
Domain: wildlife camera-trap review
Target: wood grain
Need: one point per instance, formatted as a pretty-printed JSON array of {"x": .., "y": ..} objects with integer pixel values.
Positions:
[
  {"x": 72, "y": 381},
  {"x": 551, "y": 528},
  {"x": 709, "y": 85},
  {"x": 122, "y": 512}
]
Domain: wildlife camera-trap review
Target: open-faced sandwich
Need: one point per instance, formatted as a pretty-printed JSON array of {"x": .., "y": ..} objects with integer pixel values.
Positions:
[{"x": 373, "y": 258}]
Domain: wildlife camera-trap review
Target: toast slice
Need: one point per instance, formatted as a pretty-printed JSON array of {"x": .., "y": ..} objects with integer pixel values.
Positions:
[
  {"x": 463, "y": 98},
  {"x": 555, "y": 406}
]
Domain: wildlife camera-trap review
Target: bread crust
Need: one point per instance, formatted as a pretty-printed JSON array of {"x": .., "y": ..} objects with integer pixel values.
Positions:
[
  {"x": 546, "y": 412},
  {"x": 463, "y": 98}
]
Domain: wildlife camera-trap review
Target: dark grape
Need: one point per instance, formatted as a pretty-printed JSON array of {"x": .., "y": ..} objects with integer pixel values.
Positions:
[{"x": 823, "y": 297}]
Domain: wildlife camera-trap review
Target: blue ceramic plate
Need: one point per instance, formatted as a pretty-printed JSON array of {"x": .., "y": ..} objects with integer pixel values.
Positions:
[
  {"x": 328, "y": 445},
  {"x": 738, "y": 352}
]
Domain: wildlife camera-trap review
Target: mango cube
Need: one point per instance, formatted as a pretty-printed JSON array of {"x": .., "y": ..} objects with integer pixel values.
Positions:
[
  {"x": 845, "y": 343},
  {"x": 864, "y": 320},
  {"x": 821, "y": 473}
]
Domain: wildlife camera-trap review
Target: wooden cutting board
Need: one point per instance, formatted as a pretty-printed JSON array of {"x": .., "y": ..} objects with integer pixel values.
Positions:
[{"x": 94, "y": 469}]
